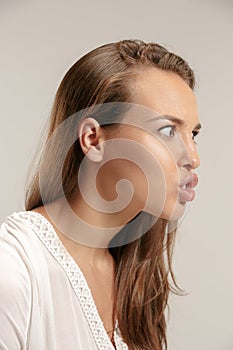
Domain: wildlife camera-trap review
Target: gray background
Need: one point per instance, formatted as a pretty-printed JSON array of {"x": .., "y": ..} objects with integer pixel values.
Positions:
[{"x": 41, "y": 39}]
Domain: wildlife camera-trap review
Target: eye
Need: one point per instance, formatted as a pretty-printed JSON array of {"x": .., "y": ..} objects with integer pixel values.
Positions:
[
  {"x": 195, "y": 133},
  {"x": 170, "y": 130}
]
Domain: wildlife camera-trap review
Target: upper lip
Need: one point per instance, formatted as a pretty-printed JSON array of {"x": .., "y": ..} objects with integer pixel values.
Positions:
[{"x": 191, "y": 181}]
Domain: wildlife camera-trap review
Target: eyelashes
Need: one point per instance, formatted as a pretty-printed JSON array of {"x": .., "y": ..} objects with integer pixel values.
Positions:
[
  {"x": 195, "y": 133},
  {"x": 173, "y": 129}
]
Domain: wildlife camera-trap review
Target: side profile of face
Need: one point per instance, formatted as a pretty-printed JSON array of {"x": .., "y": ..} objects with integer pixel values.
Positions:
[
  {"x": 172, "y": 143},
  {"x": 154, "y": 148}
]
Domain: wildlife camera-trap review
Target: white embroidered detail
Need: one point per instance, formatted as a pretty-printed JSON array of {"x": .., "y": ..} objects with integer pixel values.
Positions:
[{"x": 47, "y": 234}]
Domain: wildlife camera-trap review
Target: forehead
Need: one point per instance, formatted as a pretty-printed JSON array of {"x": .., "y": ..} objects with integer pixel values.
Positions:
[{"x": 166, "y": 93}]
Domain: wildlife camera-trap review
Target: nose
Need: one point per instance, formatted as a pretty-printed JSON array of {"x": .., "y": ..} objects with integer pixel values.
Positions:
[{"x": 190, "y": 158}]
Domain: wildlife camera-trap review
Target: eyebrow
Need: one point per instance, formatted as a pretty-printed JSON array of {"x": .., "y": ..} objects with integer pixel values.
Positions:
[{"x": 175, "y": 120}]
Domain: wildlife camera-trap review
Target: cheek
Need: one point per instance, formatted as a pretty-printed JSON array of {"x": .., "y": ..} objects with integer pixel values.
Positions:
[
  {"x": 165, "y": 187},
  {"x": 165, "y": 158},
  {"x": 149, "y": 166},
  {"x": 170, "y": 209},
  {"x": 162, "y": 199},
  {"x": 111, "y": 175}
]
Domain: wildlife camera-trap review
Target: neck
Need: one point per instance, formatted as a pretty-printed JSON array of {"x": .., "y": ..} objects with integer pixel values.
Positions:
[{"x": 84, "y": 231}]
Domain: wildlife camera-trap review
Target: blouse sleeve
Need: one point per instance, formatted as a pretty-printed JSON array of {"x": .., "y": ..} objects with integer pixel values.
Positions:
[{"x": 15, "y": 298}]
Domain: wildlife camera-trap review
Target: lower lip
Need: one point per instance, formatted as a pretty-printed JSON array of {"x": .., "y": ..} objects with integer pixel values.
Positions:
[{"x": 186, "y": 194}]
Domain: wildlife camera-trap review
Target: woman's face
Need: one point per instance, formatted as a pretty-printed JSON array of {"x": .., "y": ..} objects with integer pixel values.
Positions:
[{"x": 155, "y": 154}]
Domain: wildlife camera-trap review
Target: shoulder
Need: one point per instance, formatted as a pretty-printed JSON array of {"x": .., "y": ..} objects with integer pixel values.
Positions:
[
  {"x": 15, "y": 289},
  {"x": 15, "y": 262},
  {"x": 14, "y": 276},
  {"x": 26, "y": 242},
  {"x": 16, "y": 231}
]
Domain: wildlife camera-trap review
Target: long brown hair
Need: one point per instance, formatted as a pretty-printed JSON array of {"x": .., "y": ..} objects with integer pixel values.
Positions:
[{"x": 107, "y": 74}]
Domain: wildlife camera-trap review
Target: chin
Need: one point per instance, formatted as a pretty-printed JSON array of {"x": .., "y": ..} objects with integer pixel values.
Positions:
[
  {"x": 170, "y": 212},
  {"x": 176, "y": 213}
]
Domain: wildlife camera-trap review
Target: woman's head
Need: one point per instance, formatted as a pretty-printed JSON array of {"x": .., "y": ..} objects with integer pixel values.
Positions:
[
  {"x": 151, "y": 82},
  {"x": 138, "y": 73}
]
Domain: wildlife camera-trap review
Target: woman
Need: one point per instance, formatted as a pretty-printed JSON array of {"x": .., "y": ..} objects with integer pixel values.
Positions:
[{"x": 86, "y": 264}]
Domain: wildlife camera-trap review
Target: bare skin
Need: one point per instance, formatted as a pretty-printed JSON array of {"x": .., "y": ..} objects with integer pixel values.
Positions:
[{"x": 165, "y": 93}]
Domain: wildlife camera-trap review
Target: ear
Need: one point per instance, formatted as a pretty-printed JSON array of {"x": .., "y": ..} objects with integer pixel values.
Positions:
[{"x": 91, "y": 136}]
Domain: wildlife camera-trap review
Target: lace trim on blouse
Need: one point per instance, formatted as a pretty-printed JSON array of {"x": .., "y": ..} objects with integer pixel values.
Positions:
[{"x": 47, "y": 234}]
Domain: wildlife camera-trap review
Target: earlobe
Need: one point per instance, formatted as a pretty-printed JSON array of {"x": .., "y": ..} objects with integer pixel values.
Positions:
[{"x": 90, "y": 139}]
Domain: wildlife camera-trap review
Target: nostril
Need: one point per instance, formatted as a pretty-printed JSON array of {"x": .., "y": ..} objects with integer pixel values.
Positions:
[{"x": 188, "y": 167}]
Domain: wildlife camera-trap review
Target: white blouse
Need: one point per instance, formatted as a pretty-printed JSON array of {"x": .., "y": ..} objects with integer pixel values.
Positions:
[{"x": 45, "y": 301}]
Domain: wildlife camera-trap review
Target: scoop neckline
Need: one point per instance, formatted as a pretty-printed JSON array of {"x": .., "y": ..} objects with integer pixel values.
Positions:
[{"x": 47, "y": 234}]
